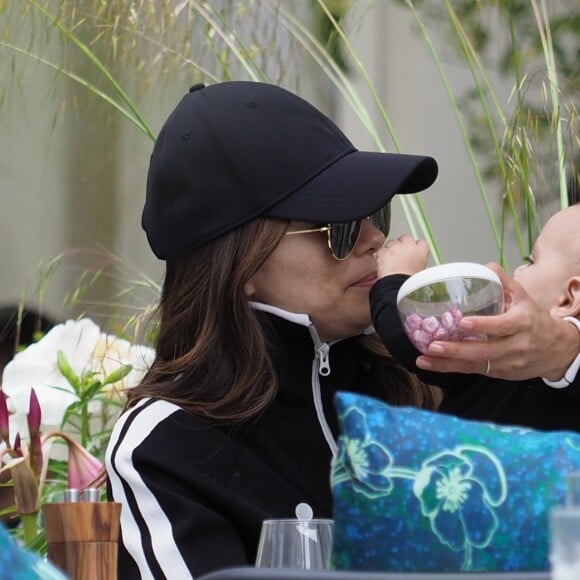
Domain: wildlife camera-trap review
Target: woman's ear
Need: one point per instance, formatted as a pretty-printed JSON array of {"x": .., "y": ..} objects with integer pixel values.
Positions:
[{"x": 570, "y": 301}]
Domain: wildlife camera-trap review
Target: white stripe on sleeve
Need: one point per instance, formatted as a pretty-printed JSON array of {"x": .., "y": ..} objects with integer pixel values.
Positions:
[{"x": 165, "y": 549}]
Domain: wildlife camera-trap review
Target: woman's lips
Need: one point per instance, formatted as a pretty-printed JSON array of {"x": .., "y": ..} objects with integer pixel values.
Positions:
[{"x": 367, "y": 281}]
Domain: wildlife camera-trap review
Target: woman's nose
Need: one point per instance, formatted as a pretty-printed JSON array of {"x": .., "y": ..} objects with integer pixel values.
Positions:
[{"x": 370, "y": 239}]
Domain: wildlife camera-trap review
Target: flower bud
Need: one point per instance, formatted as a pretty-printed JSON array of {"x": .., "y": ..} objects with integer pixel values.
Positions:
[
  {"x": 118, "y": 374},
  {"x": 34, "y": 415},
  {"x": 67, "y": 371},
  {"x": 4, "y": 419}
]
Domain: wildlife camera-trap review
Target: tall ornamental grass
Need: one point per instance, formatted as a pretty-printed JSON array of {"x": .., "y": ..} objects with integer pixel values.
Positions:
[{"x": 524, "y": 151}]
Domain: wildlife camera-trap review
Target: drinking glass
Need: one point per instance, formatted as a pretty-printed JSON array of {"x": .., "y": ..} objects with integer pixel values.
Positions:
[
  {"x": 565, "y": 543},
  {"x": 298, "y": 544},
  {"x": 573, "y": 481}
]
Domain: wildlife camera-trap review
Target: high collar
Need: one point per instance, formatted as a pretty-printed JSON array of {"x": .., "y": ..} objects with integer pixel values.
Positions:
[
  {"x": 309, "y": 372},
  {"x": 301, "y": 319}
]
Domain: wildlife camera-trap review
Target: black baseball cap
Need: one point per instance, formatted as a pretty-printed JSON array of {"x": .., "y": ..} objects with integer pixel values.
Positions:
[{"x": 234, "y": 151}]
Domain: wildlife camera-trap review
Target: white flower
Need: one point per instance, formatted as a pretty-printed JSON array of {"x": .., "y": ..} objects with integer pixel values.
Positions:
[
  {"x": 86, "y": 349},
  {"x": 111, "y": 352}
]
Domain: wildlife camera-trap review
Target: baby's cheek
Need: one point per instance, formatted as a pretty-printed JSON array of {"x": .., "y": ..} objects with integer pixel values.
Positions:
[{"x": 522, "y": 275}]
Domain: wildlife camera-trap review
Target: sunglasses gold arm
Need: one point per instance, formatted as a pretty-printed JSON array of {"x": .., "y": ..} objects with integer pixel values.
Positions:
[
  {"x": 313, "y": 230},
  {"x": 323, "y": 229}
]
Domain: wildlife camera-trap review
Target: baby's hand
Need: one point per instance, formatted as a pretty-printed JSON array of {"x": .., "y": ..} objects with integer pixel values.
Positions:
[{"x": 402, "y": 256}]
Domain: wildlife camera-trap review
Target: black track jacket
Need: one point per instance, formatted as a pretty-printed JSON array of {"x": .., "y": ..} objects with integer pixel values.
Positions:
[{"x": 194, "y": 495}]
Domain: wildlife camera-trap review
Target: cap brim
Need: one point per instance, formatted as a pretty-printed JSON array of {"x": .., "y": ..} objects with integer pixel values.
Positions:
[{"x": 356, "y": 186}]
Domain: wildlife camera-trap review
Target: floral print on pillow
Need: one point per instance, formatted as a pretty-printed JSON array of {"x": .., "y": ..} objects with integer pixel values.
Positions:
[{"x": 421, "y": 491}]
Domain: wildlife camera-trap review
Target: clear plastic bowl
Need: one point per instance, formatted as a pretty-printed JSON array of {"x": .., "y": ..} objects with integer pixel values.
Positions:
[{"x": 432, "y": 302}]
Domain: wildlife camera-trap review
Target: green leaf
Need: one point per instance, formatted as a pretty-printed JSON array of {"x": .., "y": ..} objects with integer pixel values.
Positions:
[{"x": 73, "y": 409}]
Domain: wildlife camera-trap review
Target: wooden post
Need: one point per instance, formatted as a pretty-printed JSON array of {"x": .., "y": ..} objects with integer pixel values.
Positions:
[{"x": 82, "y": 538}]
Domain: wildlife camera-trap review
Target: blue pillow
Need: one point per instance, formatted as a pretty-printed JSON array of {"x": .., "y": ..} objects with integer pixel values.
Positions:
[
  {"x": 421, "y": 491},
  {"x": 17, "y": 563}
]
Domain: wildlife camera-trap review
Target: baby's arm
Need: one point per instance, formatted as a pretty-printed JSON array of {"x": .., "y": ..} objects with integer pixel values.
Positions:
[{"x": 403, "y": 255}]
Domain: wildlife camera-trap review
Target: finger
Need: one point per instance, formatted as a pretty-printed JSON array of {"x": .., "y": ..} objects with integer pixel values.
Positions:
[
  {"x": 497, "y": 269},
  {"x": 499, "y": 325},
  {"x": 505, "y": 323},
  {"x": 469, "y": 351},
  {"x": 510, "y": 368},
  {"x": 424, "y": 246},
  {"x": 444, "y": 365},
  {"x": 519, "y": 317}
]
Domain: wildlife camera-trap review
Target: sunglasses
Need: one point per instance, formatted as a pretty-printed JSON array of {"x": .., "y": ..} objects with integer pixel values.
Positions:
[{"x": 343, "y": 237}]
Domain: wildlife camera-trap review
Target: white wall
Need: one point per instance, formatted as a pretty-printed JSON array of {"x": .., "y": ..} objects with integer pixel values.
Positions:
[{"x": 33, "y": 219}]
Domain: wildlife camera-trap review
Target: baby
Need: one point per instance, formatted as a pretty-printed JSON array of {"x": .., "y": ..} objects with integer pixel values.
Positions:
[{"x": 550, "y": 275}]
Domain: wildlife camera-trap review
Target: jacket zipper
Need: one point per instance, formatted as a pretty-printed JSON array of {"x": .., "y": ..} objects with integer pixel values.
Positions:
[
  {"x": 321, "y": 366},
  {"x": 323, "y": 359}
]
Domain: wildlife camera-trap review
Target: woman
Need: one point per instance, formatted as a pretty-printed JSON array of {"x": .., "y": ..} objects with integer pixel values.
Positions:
[{"x": 258, "y": 204}]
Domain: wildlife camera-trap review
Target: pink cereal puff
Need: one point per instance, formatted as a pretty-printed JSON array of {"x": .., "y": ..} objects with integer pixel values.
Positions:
[
  {"x": 430, "y": 324},
  {"x": 422, "y": 338},
  {"x": 448, "y": 322},
  {"x": 457, "y": 314},
  {"x": 441, "y": 333},
  {"x": 414, "y": 321}
]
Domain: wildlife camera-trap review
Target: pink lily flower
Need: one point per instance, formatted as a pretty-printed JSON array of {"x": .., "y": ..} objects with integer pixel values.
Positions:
[{"x": 84, "y": 469}]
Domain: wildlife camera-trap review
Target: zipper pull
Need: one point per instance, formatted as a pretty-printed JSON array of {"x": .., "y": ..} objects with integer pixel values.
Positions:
[{"x": 323, "y": 359}]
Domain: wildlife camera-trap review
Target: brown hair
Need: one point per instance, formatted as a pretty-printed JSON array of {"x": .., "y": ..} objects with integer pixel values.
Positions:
[
  {"x": 401, "y": 386},
  {"x": 212, "y": 352}
]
